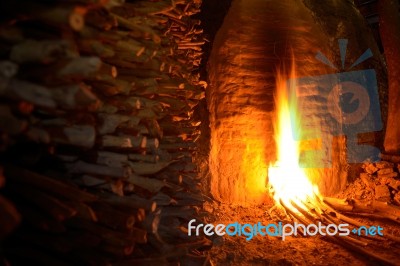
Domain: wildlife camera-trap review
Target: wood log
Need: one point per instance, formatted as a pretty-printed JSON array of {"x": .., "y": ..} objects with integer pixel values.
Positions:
[
  {"x": 115, "y": 219},
  {"x": 80, "y": 67},
  {"x": 9, "y": 123},
  {"x": 73, "y": 96},
  {"x": 154, "y": 128},
  {"x": 184, "y": 167},
  {"x": 139, "y": 31},
  {"x": 76, "y": 135},
  {"x": 117, "y": 251},
  {"x": 108, "y": 235},
  {"x": 84, "y": 211},
  {"x": 163, "y": 199},
  {"x": 172, "y": 178},
  {"x": 54, "y": 207},
  {"x": 39, "y": 221},
  {"x": 382, "y": 209},
  {"x": 139, "y": 214},
  {"x": 143, "y": 262},
  {"x": 11, "y": 34},
  {"x": 8, "y": 69},
  {"x": 109, "y": 86},
  {"x": 38, "y": 135},
  {"x": 189, "y": 199},
  {"x": 24, "y": 255},
  {"x": 139, "y": 83},
  {"x": 129, "y": 48},
  {"x": 130, "y": 202},
  {"x": 81, "y": 167},
  {"x": 108, "y": 70},
  {"x": 91, "y": 181},
  {"x": 129, "y": 129},
  {"x": 62, "y": 243},
  {"x": 100, "y": 19},
  {"x": 30, "y": 92},
  {"x": 71, "y": 17},
  {"x": 110, "y": 122},
  {"x": 48, "y": 184},
  {"x": 148, "y": 158},
  {"x": 178, "y": 146},
  {"x": 150, "y": 9},
  {"x": 150, "y": 184},
  {"x": 165, "y": 249},
  {"x": 143, "y": 56},
  {"x": 183, "y": 212},
  {"x": 112, "y": 3},
  {"x": 126, "y": 105},
  {"x": 114, "y": 186},
  {"x": 31, "y": 51},
  {"x": 124, "y": 142},
  {"x": 111, "y": 158},
  {"x": 151, "y": 222},
  {"x": 107, "y": 108},
  {"x": 95, "y": 47},
  {"x": 142, "y": 168},
  {"x": 63, "y": 71},
  {"x": 90, "y": 257},
  {"x": 10, "y": 217}
]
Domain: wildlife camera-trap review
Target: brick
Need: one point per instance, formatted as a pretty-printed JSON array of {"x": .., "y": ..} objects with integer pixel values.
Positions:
[
  {"x": 394, "y": 183},
  {"x": 382, "y": 193},
  {"x": 370, "y": 168},
  {"x": 384, "y": 164},
  {"x": 385, "y": 179},
  {"x": 385, "y": 171},
  {"x": 366, "y": 178}
]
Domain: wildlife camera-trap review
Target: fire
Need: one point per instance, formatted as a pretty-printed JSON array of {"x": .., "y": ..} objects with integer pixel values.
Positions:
[{"x": 288, "y": 181}]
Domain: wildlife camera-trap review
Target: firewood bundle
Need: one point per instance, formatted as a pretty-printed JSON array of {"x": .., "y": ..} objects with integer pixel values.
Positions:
[{"x": 98, "y": 136}]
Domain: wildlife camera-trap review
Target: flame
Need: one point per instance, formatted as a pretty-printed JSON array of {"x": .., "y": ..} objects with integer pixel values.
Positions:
[{"x": 288, "y": 181}]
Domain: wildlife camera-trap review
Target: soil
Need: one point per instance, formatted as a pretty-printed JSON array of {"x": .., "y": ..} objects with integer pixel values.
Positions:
[{"x": 267, "y": 250}]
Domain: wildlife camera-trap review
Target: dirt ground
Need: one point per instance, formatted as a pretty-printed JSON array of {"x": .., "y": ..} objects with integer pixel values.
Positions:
[{"x": 269, "y": 250}]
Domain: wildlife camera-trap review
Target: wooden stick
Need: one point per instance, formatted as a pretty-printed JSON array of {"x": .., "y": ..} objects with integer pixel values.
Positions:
[
  {"x": 25, "y": 177},
  {"x": 8, "y": 69},
  {"x": 73, "y": 17},
  {"x": 130, "y": 202},
  {"x": 39, "y": 221},
  {"x": 376, "y": 207},
  {"x": 10, "y": 217},
  {"x": 81, "y": 167},
  {"x": 54, "y": 207},
  {"x": 112, "y": 218},
  {"x": 31, "y": 51}
]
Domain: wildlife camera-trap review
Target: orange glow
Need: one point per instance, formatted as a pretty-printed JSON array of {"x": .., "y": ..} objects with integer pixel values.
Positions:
[{"x": 288, "y": 181}]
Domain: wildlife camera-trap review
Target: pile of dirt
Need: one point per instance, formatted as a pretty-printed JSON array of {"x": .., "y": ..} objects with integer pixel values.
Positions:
[{"x": 268, "y": 250}]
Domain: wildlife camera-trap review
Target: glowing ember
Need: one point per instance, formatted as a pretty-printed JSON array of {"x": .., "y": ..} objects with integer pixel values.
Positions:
[{"x": 288, "y": 181}]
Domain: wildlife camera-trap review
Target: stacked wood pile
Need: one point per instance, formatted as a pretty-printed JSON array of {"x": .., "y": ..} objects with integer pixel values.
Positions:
[
  {"x": 97, "y": 134},
  {"x": 379, "y": 181}
]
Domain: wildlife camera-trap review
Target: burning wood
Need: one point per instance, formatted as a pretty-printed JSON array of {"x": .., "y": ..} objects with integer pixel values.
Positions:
[{"x": 293, "y": 189}]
